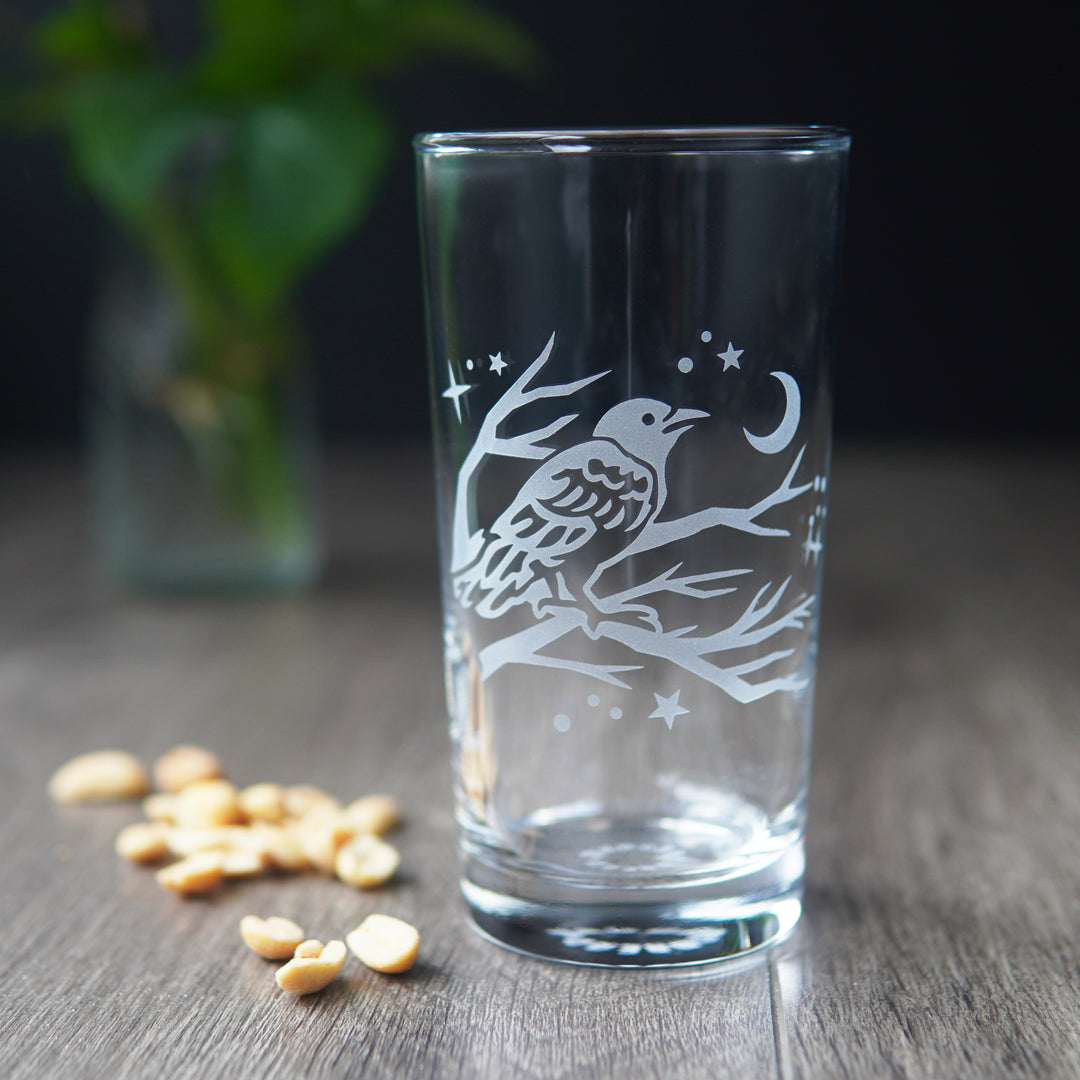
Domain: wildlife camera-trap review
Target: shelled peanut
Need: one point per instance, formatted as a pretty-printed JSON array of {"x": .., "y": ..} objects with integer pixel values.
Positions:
[
  {"x": 201, "y": 829},
  {"x": 383, "y": 943},
  {"x": 232, "y": 832}
]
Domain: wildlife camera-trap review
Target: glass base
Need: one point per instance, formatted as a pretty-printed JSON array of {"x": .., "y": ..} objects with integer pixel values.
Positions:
[{"x": 633, "y": 935}]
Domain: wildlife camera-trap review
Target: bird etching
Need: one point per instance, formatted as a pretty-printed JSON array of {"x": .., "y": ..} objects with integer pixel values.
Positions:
[{"x": 607, "y": 488}]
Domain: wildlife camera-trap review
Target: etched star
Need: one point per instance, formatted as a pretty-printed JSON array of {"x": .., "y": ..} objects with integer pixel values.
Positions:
[
  {"x": 667, "y": 708},
  {"x": 497, "y": 363},
  {"x": 730, "y": 356},
  {"x": 455, "y": 390},
  {"x": 811, "y": 550}
]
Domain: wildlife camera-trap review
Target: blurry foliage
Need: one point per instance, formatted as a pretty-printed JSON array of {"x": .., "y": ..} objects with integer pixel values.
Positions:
[
  {"x": 240, "y": 164},
  {"x": 235, "y": 166}
]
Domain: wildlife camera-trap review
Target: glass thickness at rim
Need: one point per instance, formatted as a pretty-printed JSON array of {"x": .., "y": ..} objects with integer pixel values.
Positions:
[{"x": 702, "y": 140}]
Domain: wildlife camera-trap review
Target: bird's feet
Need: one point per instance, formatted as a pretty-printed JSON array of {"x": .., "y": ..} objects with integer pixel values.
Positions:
[
  {"x": 632, "y": 614},
  {"x": 591, "y": 621}
]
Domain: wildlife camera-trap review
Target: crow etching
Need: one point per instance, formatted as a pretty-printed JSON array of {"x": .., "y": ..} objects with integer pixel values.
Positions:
[
  {"x": 585, "y": 510},
  {"x": 609, "y": 487}
]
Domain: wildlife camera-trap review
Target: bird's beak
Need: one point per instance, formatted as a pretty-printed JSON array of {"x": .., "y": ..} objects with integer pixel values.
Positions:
[{"x": 682, "y": 419}]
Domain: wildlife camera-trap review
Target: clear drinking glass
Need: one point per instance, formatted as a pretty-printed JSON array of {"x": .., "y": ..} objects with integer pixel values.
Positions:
[{"x": 630, "y": 336}]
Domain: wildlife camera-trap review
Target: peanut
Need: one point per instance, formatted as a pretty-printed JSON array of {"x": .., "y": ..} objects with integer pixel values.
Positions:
[
  {"x": 300, "y": 798},
  {"x": 183, "y": 842},
  {"x": 101, "y": 776},
  {"x": 312, "y": 967},
  {"x": 198, "y": 873},
  {"x": 385, "y": 943},
  {"x": 263, "y": 802},
  {"x": 208, "y": 803},
  {"x": 160, "y": 807},
  {"x": 145, "y": 841},
  {"x": 376, "y": 814},
  {"x": 321, "y": 833},
  {"x": 244, "y": 851},
  {"x": 279, "y": 848},
  {"x": 275, "y": 938},
  {"x": 366, "y": 861},
  {"x": 241, "y": 864},
  {"x": 183, "y": 765}
]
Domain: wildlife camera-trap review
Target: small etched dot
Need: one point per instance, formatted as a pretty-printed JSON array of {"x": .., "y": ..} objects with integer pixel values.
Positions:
[
  {"x": 706, "y": 335},
  {"x": 593, "y": 700},
  {"x": 562, "y": 722},
  {"x": 616, "y": 713},
  {"x": 469, "y": 365},
  {"x": 686, "y": 365}
]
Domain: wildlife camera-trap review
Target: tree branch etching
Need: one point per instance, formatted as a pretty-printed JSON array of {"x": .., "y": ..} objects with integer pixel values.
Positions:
[{"x": 515, "y": 560}]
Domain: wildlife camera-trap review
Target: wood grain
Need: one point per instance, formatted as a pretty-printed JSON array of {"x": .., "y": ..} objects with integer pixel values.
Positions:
[{"x": 944, "y": 886}]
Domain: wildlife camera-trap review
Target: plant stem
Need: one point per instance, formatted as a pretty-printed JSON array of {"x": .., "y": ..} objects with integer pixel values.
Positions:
[{"x": 229, "y": 395}]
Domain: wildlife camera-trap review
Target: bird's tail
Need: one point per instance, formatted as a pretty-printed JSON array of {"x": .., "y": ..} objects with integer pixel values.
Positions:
[{"x": 502, "y": 577}]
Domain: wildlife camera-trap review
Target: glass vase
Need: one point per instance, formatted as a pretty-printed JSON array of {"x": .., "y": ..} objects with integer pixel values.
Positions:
[{"x": 202, "y": 441}]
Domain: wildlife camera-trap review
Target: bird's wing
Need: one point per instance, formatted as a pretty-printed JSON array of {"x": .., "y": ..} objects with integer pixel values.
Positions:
[
  {"x": 564, "y": 503},
  {"x": 595, "y": 482}
]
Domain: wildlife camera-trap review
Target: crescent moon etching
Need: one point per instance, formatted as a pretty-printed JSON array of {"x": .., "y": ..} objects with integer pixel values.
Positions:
[{"x": 782, "y": 436}]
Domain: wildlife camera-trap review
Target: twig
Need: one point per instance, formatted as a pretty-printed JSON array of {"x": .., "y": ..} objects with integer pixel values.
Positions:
[
  {"x": 522, "y": 648},
  {"x": 687, "y": 652},
  {"x": 658, "y": 533}
]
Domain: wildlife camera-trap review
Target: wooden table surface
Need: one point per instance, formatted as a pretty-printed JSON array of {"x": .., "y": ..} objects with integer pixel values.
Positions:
[{"x": 942, "y": 927}]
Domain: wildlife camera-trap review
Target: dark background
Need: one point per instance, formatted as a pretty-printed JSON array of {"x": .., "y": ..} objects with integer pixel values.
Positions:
[{"x": 958, "y": 314}]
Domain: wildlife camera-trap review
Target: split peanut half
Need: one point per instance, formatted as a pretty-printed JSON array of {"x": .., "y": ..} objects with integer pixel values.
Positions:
[
  {"x": 274, "y": 938},
  {"x": 312, "y": 968},
  {"x": 385, "y": 943}
]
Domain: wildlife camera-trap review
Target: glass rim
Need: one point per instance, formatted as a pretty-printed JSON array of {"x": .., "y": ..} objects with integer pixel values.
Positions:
[{"x": 781, "y": 138}]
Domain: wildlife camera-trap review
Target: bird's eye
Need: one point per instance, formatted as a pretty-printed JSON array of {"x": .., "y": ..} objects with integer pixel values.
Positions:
[{"x": 648, "y": 419}]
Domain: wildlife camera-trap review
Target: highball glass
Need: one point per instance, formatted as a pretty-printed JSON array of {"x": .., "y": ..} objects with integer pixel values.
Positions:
[{"x": 630, "y": 336}]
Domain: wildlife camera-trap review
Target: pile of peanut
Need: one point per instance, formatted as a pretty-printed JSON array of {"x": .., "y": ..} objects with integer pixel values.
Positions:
[
  {"x": 207, "y": 830},
  {"x": 382, "y": 942}
]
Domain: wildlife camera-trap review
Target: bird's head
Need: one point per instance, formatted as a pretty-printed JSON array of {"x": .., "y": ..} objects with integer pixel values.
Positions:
[{"x": 645, "y": 427}]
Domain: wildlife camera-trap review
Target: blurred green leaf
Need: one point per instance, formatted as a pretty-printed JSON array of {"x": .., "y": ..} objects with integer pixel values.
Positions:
[
  {"x": 127, "y": 131},
  {"x": 237, "y": 166},
  {"x": 298, "y": 172},
  {"x": 452, "y": 27},
  {"x": 91, "y": 35},
  {"x": 262, "y": 43},
  {"x": 242, "y": 162},
  {"x": 253, "y": 45}
]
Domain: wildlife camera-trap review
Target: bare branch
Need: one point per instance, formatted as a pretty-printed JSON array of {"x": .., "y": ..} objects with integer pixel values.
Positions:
[
  {"x": 677, "y": 646},
  {"x": 488, "y": 441},
  {"x": 658, "y": 533},
  {"x": 528, "y": 445},
  {"x": 784, "y": 493},
  {"x": 667, "y": 582},
  {"x": 742, "y": 631},
  {"x": 682, "y": 651},
  {"x": 523, "y": 648},
  {"x": 760, "y": 662}
]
